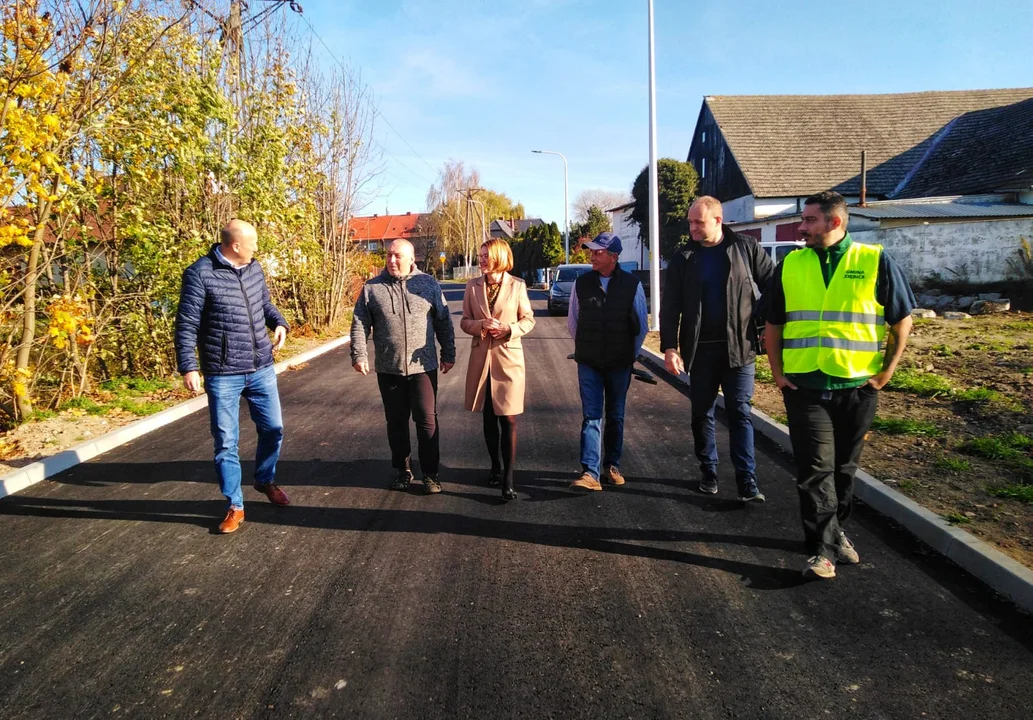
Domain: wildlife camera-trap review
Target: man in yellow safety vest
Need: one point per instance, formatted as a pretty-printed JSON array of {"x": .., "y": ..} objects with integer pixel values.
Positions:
[{"x": 829, "y": 308}]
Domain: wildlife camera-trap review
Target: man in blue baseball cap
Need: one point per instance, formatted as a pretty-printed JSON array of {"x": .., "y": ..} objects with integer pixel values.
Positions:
[{"x": 608, "y": 320}]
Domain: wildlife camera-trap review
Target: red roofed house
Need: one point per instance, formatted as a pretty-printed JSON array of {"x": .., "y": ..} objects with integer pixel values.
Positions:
[{"x": 375, "y": 232}]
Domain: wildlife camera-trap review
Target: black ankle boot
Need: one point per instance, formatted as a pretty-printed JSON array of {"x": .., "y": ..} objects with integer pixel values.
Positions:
[{"x": 508, "y": 493}]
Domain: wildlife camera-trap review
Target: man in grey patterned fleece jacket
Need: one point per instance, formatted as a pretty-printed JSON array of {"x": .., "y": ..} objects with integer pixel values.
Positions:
[{"x": 405, "y": 309}]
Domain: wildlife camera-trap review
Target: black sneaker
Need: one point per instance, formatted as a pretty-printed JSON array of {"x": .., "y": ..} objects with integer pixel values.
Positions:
[
  {"x": 402, "y": 480},
  {"x": 708, "y": 485},
  {"x": 750, "y": 492},
  {"x": 431, "y": 485}
]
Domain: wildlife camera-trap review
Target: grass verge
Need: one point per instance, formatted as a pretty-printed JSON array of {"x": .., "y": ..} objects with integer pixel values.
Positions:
[{"x": 896, "y": 426}]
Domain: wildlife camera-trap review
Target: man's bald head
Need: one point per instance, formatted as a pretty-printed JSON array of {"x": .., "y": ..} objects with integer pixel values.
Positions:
[
  {"x": 401, "y": 257},
  {"x": 239, "y": 241}
]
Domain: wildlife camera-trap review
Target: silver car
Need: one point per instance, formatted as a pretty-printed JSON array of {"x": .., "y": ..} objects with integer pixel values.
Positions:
[{"x": 563, "y": 285}]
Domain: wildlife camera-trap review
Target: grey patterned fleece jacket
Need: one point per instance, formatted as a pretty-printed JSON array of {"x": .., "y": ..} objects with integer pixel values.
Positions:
[{"x": 404, "y": 314}]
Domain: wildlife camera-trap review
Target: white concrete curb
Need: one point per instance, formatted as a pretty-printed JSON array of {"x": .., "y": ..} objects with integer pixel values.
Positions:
[
  {"x": 991, "y": 566},
  {"x": 22, "y": 478}
]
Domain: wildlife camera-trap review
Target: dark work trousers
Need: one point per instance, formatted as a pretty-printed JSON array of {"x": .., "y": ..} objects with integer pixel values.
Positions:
[
  {"x": 827, "y": 430},
  {"x": 415, "y": 396},
  {"x": 708, "y": 374}
]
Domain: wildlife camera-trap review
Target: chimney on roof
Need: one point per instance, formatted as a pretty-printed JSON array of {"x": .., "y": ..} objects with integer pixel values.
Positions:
[
  {"x": 407, "y": 212},
  {"x": 864, "y": 179}
]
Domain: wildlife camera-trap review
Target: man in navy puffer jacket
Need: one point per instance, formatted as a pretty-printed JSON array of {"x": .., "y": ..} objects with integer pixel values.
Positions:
[{"x": 224, "y": 310}]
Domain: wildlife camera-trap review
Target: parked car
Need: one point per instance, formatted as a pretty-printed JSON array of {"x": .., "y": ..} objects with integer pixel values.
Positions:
[{"x": 562, "y": 286}]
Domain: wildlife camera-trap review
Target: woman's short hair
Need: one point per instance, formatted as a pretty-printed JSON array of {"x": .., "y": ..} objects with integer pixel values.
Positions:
[{"x": 500, "y": 255}]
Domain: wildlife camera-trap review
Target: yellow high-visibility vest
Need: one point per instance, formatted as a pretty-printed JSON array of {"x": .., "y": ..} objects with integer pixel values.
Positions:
[{"x": 839, "y": 329}]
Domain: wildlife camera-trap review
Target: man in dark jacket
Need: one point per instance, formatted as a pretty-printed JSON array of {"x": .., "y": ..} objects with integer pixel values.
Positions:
[
  {"x": 405, "y": 310},
  {"x": 710, "y": 289},
  {"x": 607, "y": 319},
  {"x": 224, "y": 310}
]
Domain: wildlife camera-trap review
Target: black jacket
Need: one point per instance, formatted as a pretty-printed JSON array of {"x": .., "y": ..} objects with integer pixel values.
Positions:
[
  {"x": 224, "y": 312},
  {"x": 680, "y": 303}
]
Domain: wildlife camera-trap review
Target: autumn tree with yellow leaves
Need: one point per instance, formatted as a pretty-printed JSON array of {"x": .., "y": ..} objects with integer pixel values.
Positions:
[{"x": 128, "y": 136}]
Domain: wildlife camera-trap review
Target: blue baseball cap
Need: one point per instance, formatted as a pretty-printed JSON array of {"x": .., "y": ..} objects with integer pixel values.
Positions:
[{"x": 605, "y": 241}]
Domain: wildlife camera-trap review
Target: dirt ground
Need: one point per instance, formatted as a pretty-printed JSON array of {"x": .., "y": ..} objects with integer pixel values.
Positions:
[
  {"x": 68, "y": 427},
  {"x": 956, "y": 425}
]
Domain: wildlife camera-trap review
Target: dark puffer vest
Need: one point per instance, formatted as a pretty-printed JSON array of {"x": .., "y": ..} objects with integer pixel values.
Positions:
[
  {"x": 224, "y": 313},
  {"x": 607, "y": 324}
]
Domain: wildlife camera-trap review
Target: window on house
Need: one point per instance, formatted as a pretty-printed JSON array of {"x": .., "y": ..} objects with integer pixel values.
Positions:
[
  {"x": 704, "y": 138},
  {"x": 703, "y": 167}
]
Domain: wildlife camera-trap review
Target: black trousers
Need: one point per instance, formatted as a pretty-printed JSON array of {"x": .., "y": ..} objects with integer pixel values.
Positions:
[
  {"x": 827, "y": 430},
  {"x": 413, "y": 396}
]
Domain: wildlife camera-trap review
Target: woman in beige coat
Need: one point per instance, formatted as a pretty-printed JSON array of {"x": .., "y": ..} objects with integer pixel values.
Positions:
[{"x": 497, "y": 313}]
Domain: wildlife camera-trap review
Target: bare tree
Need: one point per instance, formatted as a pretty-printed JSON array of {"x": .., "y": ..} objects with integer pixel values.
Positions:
[
  {"x": 348, "y": 162},
  {"x": 448, "y": 203},
  {"x": 602, "y": 199}
]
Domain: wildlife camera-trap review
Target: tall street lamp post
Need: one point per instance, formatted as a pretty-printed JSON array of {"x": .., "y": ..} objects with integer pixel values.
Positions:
[
  {"x": 566, "y": 224},
  {"x": 654, "y": 200}
]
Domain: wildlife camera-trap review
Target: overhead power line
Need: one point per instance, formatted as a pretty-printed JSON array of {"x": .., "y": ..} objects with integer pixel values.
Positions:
[{"x": 363, "y": 90}]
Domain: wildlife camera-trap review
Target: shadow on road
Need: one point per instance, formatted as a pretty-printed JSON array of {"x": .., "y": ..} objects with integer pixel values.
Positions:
[{"x": 301, "y": 477}]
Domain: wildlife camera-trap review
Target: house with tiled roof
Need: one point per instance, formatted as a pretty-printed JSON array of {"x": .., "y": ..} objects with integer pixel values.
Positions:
[
  {"x": 763, "y": 154},
  {"x": 947, "y": 178},
  {"x": 375, "y": 232},
  {"x": 507, "y": 229}
]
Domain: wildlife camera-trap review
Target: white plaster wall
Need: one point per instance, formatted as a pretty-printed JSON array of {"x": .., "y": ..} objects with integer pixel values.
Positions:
[
  {"x": 975, "y": 252},
  {"x": 632, "y": 249},
  {"x": 765, "y": 207},
  {"x": 738, "y": 210},
  {"x": 627, "y": 231}
]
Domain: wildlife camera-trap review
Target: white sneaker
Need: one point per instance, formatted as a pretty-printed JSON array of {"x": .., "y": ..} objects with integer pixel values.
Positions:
[
  {"x": 845, "y": 552},
  {"x": 819, "y": 566}
]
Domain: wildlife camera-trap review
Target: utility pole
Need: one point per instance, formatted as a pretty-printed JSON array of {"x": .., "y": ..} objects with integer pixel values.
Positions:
[{"x": 466, "y": 235}]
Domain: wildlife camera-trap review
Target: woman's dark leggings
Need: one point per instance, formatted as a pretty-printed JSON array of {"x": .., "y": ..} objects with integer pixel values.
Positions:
[{"x": 500, "y": 430}]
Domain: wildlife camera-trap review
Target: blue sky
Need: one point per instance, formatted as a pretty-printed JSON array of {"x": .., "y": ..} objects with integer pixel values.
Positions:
[{"x": 487, "y": 81}]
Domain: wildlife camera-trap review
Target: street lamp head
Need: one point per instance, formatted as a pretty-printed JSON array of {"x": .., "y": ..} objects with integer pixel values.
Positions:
[{"x": 536, "y": 151}]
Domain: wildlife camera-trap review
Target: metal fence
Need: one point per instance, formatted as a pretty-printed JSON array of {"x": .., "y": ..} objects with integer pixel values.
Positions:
[{"x": 461, "y": 272}]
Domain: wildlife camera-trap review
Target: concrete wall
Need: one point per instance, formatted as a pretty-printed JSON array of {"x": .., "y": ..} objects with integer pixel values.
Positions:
[{"x": 973, "y": 252}]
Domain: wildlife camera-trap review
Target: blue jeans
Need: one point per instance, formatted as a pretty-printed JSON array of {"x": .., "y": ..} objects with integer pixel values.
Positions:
[
  {"x": 709, "y": 372},
  {"x": 263, "y": 399},
  {"x": 602, "y": 391}
]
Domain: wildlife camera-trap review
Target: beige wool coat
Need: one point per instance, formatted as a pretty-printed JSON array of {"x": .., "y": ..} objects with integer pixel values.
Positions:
[{"x": 501, "y": 358}]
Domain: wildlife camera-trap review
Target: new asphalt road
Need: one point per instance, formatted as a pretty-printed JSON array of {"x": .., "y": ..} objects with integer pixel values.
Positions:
[{"x": 645, "y": 601}]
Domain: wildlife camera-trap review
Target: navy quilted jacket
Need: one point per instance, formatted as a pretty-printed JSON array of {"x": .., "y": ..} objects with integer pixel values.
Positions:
[{"x": 224, "y": 312}]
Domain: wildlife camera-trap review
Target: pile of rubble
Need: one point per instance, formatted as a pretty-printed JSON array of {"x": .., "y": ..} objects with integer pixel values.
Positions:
[{"x": 951, "y": 307}]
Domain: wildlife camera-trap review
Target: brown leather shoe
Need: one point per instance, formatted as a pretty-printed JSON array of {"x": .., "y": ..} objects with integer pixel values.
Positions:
[
  {"x": 232, "y": 521},
  {"x": 274, "y": 493},
  {"x": 614, "y": 474},
  {"x": 586, "y": 482}
]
